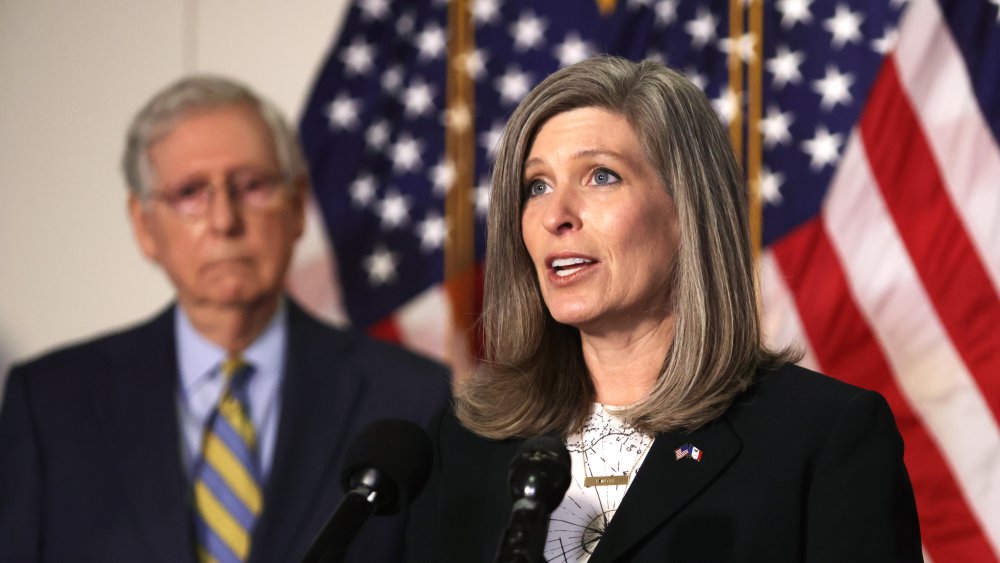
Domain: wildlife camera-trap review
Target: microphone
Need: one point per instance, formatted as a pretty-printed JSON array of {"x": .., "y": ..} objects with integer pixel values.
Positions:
[
  {"x": 385, "y": 468},
  {"x": 538, "y": 478}
]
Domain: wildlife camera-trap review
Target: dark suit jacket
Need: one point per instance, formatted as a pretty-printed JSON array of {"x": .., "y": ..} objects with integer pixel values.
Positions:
[
  {"x": 90, "y": 463},
  {"x": 800, "y": 468}
]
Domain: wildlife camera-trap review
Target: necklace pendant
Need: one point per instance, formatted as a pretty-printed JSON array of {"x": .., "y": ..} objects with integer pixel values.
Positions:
[{"x": 605, "y": 480}]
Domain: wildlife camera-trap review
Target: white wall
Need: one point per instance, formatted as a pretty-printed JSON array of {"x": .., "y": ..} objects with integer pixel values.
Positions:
[{"x": 73, "y": 74}]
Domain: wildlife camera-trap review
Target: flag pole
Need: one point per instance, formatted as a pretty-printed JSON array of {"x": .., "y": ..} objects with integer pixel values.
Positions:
[
  {"x": 754, "y": 114},
  {"x": 460, "y": 244}
]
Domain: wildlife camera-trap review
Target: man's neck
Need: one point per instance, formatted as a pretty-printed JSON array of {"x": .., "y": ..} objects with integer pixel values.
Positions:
[{"x": 233, "y": 328}]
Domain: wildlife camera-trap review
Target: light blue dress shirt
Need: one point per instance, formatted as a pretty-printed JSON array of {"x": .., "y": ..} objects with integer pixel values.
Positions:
[{"x": 202, "y": 383}]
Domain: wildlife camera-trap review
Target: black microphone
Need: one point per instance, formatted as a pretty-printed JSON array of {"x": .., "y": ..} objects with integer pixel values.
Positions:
[
  {"x": 538, "y": 478},
  {"x": 385, "y": 468}
]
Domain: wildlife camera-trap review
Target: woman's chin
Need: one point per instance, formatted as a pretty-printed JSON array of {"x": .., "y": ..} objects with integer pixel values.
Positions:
[{"x": 576, "y": 317}]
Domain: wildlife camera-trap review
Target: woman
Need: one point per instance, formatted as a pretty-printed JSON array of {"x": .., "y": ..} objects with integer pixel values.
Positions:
[{"x": 620, "y": 315}]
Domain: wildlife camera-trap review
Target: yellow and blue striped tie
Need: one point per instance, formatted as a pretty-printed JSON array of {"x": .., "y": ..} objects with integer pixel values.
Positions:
[{"x": 227, "y": 481}]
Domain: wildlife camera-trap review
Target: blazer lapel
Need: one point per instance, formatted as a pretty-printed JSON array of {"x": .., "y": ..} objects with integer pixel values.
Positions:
[
  {"x": 665, "y": 484},
  {"x": 316, "y": 407},
  {"x": 136, "y": 399}
]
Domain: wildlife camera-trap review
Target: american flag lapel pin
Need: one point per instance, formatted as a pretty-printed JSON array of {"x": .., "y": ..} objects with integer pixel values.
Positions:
[
  {"x": 683, "y": 451},
  {"x": 688, "y": 450}
]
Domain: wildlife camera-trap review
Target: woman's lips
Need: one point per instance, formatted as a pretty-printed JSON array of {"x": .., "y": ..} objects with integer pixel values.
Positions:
[{"x": 566, "y": 269}]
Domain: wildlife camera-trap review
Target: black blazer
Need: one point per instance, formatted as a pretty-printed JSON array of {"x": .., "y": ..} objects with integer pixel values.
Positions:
[
  {"x": 800, "y": 468},
  {"x": 90, "y": 462}
]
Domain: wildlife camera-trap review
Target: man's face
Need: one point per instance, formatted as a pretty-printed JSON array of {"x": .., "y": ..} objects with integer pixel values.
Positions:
[{"x": 231, "y": 254}]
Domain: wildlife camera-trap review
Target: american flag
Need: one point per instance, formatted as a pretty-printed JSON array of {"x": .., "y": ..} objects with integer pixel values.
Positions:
[{"x": 878, "y": 172}]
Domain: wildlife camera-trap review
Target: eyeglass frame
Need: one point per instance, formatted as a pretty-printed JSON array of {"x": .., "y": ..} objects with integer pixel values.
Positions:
[{"x": 236, "y": 191}]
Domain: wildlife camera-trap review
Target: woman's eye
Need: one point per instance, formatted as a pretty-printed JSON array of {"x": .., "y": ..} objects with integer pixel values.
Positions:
[
  {"x": 604, "y": 176},
  {"x": 538, "y": 187}
]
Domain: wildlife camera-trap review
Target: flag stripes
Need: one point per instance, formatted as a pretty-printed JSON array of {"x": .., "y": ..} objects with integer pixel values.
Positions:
[
  {"x": 834, "y": 323},
  {"x": 933, "y": 75},
  {"x": 895, "y": 284},
  {"x": 957, "y": 285}
]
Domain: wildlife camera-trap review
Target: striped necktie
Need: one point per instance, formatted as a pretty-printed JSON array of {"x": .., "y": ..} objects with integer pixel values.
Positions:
[{"x": 227, "y": 481}]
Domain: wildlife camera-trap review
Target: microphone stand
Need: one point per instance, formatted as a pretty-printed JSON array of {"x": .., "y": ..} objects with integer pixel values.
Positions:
[{"x": 330, "y": 546}]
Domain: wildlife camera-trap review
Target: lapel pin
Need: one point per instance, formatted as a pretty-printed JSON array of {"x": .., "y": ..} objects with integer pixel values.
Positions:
[{"x": 688, "y": 450}]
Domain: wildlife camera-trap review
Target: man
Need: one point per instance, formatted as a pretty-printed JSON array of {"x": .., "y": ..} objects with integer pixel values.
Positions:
[{"x": 215, "y": 431}]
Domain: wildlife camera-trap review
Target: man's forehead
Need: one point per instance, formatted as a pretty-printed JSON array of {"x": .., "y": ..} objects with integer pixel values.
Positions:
[
  {"x": 241, "y": 110},
  {"x": 214, "y": 134}
]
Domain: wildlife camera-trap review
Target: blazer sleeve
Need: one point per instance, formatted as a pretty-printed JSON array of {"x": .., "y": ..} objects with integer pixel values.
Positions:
[
  {"x": 861, "y": 505},
  {"x": 20, "y": 475}
]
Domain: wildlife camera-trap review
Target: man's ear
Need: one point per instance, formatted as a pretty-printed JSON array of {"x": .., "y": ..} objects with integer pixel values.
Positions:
[{"x": 141, "y": 228}]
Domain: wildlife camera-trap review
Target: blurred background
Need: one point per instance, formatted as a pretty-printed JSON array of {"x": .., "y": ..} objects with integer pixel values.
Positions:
[{"x": 74, "y": 74}]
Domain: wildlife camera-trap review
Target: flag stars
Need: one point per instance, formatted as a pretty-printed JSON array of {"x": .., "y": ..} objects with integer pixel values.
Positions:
[
  {"x": 883, "y": 45},
  {"x": 845, "y": 26},
  {"x": 405, "y": 24},
  {"x": 572, "y": 50},
  {"x": 770, "y": 185},
  {"x": 702, "y": 28},
  {"x": 490, "y": 139},
  {"x": 666, "y": 12},
  {"x": 373, "y": 9},
  {"x": 657, "y": 56},
  {"x": 834, "y": 88},
  {"x": 432, "y": 232},
  {"x": 744, "y": 46},
  {"x": 481, "y": 197},
  {"x": 357, "y": 57},
  {"x": 485, "y": 11},
  {"x": 527, "y": 31},
  {"x": 727, "y": 105},
  {"x": 784, "y": 66},
  {"x": 442, "y": 176},
  {"x": 775, "y": 127},
  {"x": 473, "y": 63},
  {"x": 418, "y": 99},
  {"x": 696, "y": 78},
  {"x": 431, "y": 43},
  {"x": 405, "y": 154},
  {"x": 513, "y": 85},
  {"x": 362, "y": 191},
  {"x": 823, "y": 149},
  {"x": 377, "y": 135},
  {"x": 394, "y": 210},
  {"x": 392, "y": 79},
  {"x": 794, "y": 11},
  {"x": 342, "y": 112},
  {"x": 381, "y": 266}
]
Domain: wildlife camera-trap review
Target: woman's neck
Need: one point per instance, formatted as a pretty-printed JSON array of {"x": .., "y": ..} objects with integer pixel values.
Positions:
[{"x": 625, "y": 365}]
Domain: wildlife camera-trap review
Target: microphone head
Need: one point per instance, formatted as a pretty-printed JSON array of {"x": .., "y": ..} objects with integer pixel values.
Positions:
[
  {"x": 391, "y": 456},
  {"x": 540, "y": 470}
]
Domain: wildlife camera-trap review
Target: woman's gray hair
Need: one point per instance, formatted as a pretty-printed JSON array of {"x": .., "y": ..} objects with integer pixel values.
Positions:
[
  {"x": 534, "y": 379},
  {"x": 158, "y": 117}
]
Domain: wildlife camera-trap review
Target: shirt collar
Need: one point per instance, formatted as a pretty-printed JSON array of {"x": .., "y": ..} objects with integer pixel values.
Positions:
[{"x": 198, "y": 358}]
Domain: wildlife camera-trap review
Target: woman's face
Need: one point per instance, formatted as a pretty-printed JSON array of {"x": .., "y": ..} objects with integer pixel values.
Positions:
[{"x": 598, "y": 223}]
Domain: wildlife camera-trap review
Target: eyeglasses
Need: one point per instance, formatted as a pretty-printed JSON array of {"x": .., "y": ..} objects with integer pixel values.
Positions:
[{"x": 247, "y": 190}]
